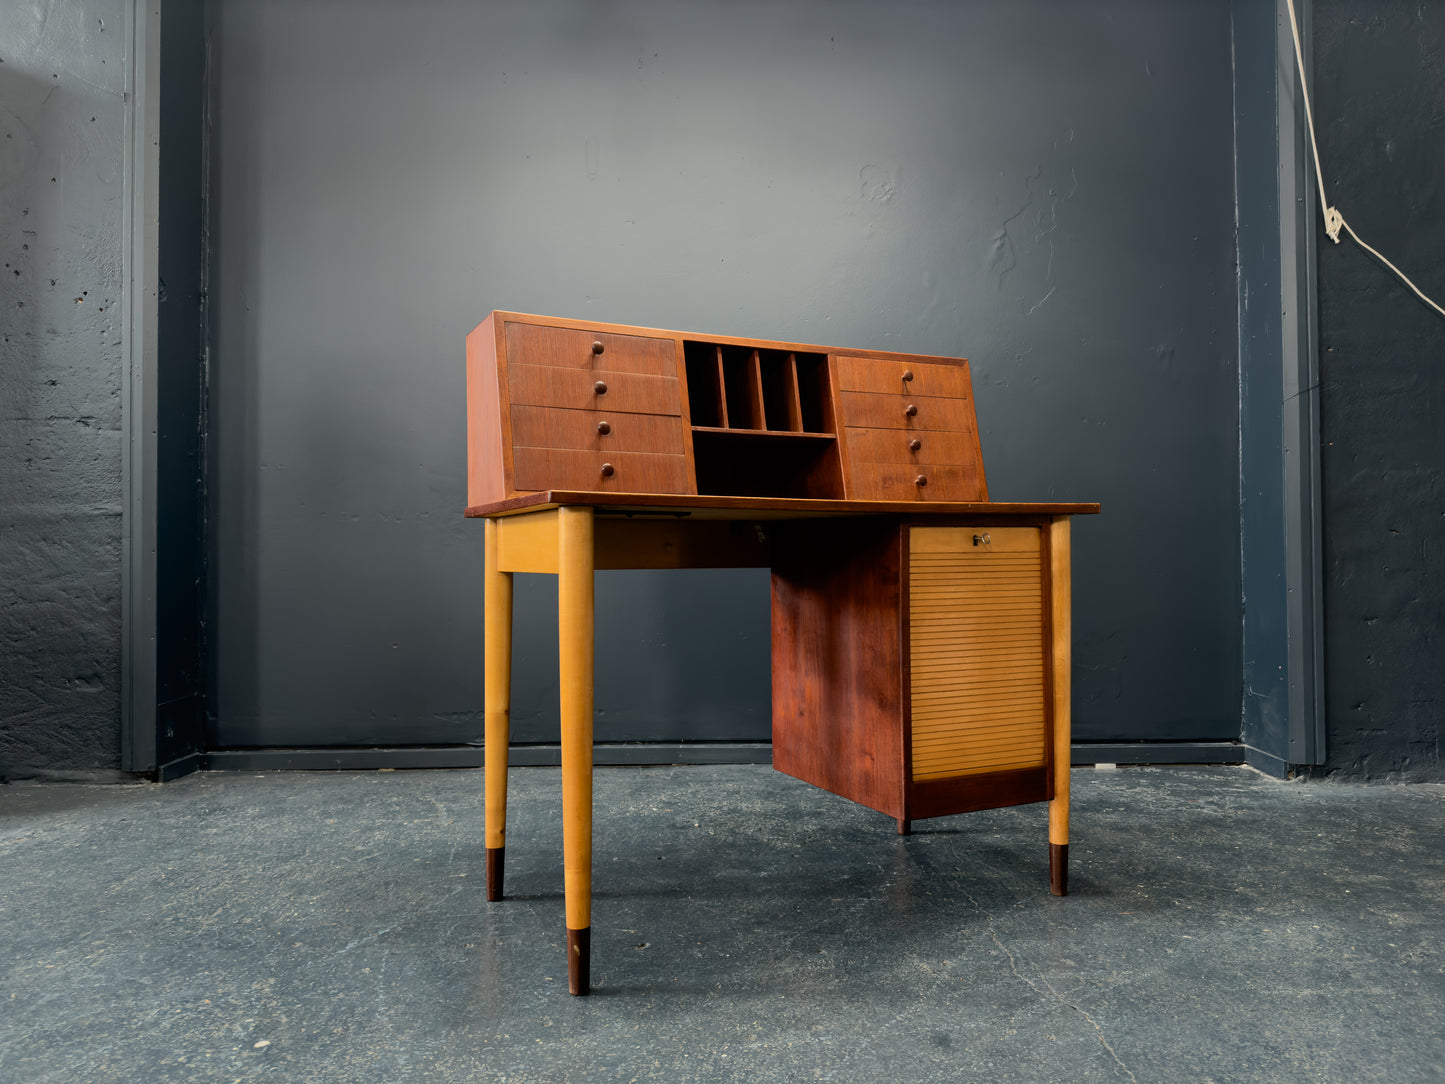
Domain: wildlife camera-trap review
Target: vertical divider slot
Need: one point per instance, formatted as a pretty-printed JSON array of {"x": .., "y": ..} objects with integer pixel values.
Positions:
[
  {"x": 780, "y": 391},
  {"x": 707, "y": 402},
  {"x": 743, "y": 388},
  {"x": 814, "y": 400}
]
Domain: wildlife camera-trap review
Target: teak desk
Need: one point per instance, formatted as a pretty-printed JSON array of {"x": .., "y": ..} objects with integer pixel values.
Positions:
[{"x": 920, "y": 647}]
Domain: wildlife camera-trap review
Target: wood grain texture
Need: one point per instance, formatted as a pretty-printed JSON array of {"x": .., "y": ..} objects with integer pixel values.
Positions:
[
  {"x": 533, "y": 468},
  {"x": 794, "y": 394},
  {"x": 964, "y": 794},
  {"x": 976, "y": 651},
  {"x": 896, "y": 446},
  {"x": 940, "y": 481},
  {"x": 551, "y": 427},
  {"x": 877, "y": 410},
  {"x": 678, "y": 543},
  {"x": 779, "y": 507},
  {"x": 837, "y": 659},
  {"x": 497, "y": 697},
  {"x": 575, "y": 618},
  {"x": 725, "y": 340},
  {"x": 1061, "y": 649},
  {"x": 577, "y": 389},
  {"x": 528, "y": 543},
  {"x": 927, "y": 378},
  {"x": 567, "y": 347},
  {"x": 486, "y": 480}
]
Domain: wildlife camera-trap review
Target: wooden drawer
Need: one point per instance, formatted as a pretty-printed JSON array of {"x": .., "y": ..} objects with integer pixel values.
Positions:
[
  {"x": 537, "y": 344},
  {"x": 905, "y": 378},
  {"x": 942, "y": 482},
  {"x": 568, "y": 468},
  {"x": 577, "y": 389},
  {"x": 599, "y": 430},
  {"x": 877, "y": 410},
  {"x": 895, "y": 446}
]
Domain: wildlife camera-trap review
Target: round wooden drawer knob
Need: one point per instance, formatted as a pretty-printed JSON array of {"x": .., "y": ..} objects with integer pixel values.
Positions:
[
  {"x": 607, "y": 470},
  {"x": 604, "y": 428},
  {"x": 600, "y": 387},
  {"x": 915, "y": 444},
  {"x": 911, "y": 410},
  {"x": 907, "y": 374},
  {"x": 921, "y": 480},
  {"x": 597, "y": 347}
]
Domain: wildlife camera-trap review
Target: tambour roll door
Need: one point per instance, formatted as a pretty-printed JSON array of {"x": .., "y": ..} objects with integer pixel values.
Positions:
[{"x": 976, "y": 641}]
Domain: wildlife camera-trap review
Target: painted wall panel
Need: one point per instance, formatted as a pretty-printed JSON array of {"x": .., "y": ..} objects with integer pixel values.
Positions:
[{"x": 1045, "y": 188}]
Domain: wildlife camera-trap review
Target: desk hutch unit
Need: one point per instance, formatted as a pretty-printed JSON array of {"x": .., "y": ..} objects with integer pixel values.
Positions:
[{"x": 920, "y": 632}]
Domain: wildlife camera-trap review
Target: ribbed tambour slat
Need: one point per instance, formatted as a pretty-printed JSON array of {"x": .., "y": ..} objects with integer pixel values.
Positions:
[{"x": 976, "y": 649}]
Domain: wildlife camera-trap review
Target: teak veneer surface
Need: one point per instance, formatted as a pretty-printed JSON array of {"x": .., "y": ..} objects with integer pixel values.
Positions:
[
  {"x": 984, "y": 513},
  {"x": 920, "y": 632}
]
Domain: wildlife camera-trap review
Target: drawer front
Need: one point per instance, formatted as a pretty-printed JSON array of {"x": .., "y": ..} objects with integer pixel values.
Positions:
[
  {"x": 599, "y": 430},
  {"x": 904, "y": 378},
  {"x": 877, "y": 410},
  {"x": 571, "y": 348},
  {"x": 896, "y": 446},
  {"x": 578, "y": 389},
  {"x": 976, "y": 633},
  {"x": 940, "y": 482},
  {"x": 567, "y": 468}
]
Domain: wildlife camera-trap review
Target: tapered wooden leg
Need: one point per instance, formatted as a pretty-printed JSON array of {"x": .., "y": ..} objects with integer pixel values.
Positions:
[
  {"x": 497, "y": 674},
  {"x": 1061, "y": 619},
  {"x": 575, "y": 641}
]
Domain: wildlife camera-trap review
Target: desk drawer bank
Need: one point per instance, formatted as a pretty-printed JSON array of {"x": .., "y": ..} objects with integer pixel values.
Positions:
[{"x": 920, "y": 632}]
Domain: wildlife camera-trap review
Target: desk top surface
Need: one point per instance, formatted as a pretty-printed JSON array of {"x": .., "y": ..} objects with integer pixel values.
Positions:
[{"x": 716, "y": 507}]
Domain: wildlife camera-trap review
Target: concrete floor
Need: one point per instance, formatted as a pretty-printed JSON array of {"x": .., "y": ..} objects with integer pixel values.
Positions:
[{"x": 1223, "y": 926}]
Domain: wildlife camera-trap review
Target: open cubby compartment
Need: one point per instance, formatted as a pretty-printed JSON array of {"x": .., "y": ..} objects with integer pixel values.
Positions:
[
  {"x": 739, "y": 387},
  {"x": 762, "y": 463}
]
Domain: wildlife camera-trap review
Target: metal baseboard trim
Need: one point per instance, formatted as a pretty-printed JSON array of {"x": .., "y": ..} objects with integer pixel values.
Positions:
[
  {"x": 1267, "y": 763},
  {"x": 1158, "y": 752},
  {"x": 181, "y": 766},
  {"x": 654, "y": 753},
  {"x": 470, "y": 756}
]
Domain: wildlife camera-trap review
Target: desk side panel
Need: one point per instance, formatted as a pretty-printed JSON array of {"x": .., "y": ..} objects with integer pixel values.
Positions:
[
  {"x": 838, "y": 660},
  {"x": 486, "y": 478}
]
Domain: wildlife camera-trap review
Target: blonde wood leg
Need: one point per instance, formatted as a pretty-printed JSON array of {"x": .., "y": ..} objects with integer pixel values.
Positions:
[
  {"x": 575, "y": 566},
  {"x": 497, "y": 673},
  {"x": 1061, "y": 619}
]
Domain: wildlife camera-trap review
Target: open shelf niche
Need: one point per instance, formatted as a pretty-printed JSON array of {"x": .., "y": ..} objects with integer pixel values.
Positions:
[{"x": 762, "y": 422}]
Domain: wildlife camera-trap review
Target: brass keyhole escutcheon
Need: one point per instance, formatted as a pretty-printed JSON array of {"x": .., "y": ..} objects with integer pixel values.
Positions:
[
  {"x": 600, "y": 387},
  {"x": 604, "y": 428},
  {"x": 982, "y": 539}
]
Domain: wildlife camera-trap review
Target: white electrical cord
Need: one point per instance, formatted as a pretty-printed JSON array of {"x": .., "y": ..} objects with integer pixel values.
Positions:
[{"x": 1334, "y": 221}]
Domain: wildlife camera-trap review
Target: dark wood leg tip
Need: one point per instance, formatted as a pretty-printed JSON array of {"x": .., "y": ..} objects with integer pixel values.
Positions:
[
  {"x": 579, "y": 961},
  {"x": 496, "y": 861},
  {"x": 904, "y": 826},
  {"x": 1059, "y": 869}
]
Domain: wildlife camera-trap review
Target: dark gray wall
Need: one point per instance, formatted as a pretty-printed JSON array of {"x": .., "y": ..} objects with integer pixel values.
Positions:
[
  {"x": 62, "y": 151},
  {"x": 1044, "y": 187},
  {"x": 1380, "y": 94}
]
